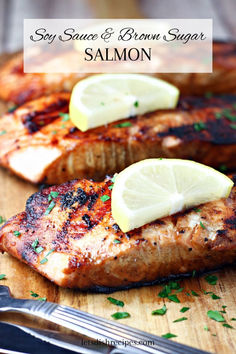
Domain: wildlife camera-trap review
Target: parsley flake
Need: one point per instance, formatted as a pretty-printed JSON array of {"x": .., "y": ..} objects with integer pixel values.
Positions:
[
  {"x": 215, "y": 315},
  {"x": 233, "y": 319},
  {"x": 206, "y": 328},
  {"x": 227, "y": 325},
  {"x": 3, "y": 132},
  {"x": 199, "y": 126},
  {"x": 197, "y": 210},
  {"x": 65, "y": 116},
  {"x": 120, "y": 315},
  {"x": 211, "y": 279},
  {"x": 17, "y": 233},
  {"x": 105, "y": 197},
  {"x": 194, "y": 293},
  {"x": 160, "y": 312},
  {"x": 184, "y": 309},
  {"x": 169, "y": 335},
  {"x": 223, "y": 168},
  {"x": 215, "y": 297},
  {"x": 50, "y": 207},
  {"x": 202, "y": 225},
  {"x": 116, "y": 241},
  {"x": 136, "y": 104},
  {"x": 218, "y": 115},
  {"x": 123, "y": 125},
  {"x": 2, "y": 276},
  {"x": 2, "y": 219},
  {"x": 180, "y": 319},
  {"x": 233, "y": 126},
  {"x": 115, "y": 301},
  {"x": 173, "y": 298},
  {"x": 45, "y": 259},
  {"x": 12, "y": 108},
  {"x": 52, "y": 194}
]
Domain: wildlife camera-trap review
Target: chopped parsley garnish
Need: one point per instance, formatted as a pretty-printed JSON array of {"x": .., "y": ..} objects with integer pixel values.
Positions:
[
  {"x": 102, "y": 103},
  {"x": 3, "y": 132},
  {"x": 197, "y": 210},
  {"x": 111, "y": 186},
  {"x": 180, "y": 319},
  {"x": 2, "y": 276},
  {"x": 52, "y": 194},
  {"x": 65, "y": 116},
  {"x": 54, "y": 132},
  {"x": 39, "y": 249},
  {"x": 160, "y": 312},
  {"x": 168, "y": 335},
  {"x": 215, "y": 315},
  {"x": 223, "y": 168},
  {"x": 2, "y": 219},
  {"x": 45, "y": 259},
  {"x": 233, "y": 319},
  {"x": 35, "y": 243},
  {"x": 228, "y": 115},
  {"x": 233, "y": 126},
  {"x": 115, "y": 301},
  {"x": 211, "y": 279},
  {"x": 17, "y": 233},
  {"x": 104, "y": 198},
  {"x": 50, "y": 207},
  {"x": 33, "y": 294},
  {"x": 227, "y": 325},
  {"x": 194, "y": 273},
  {"x": 136, "y": 104},
  {"x": 63, "y": 126},
  {"x": 202, "y": 225},
  {"x": 123, "y": 125},
  {"x": 116, "y": 241},
  {"x": 194, "y": 293},
  {"x": 199, "y": 126},
  {"x": 120, "y": 315},
  {"x": 184, "y": 309},
  {"x": 206, "y": 328},
  {"x": 215, "y": 297},
  {"x": 173, "y": 298}
]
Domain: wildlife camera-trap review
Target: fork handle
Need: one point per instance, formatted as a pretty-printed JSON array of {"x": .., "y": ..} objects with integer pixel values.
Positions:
[{"x": 98, "y": 328}]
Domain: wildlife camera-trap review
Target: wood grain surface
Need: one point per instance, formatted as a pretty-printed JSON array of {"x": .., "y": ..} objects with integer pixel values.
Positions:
[{"x": 138, "y": 302}]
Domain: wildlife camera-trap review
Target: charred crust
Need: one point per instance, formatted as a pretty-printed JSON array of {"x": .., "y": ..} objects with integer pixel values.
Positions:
[
  {"x": 88, "y": 221},
  {"x": 231, "y": 223},
  {"x": 92, "y": 200},
  {"x": 116, "y": 228},
  {"x": 35, "y": 120},
  {"x": 216, "y": 131},
  {"x": 70, "y": 198}
]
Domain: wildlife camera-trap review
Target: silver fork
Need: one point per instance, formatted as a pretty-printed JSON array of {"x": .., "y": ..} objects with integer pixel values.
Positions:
[{"x": 124, "y": 338}]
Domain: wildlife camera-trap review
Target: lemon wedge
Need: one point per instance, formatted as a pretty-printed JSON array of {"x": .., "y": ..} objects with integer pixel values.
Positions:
[
  {"x": 105, "y": 98},
  {"x": 154, "y": 188}
]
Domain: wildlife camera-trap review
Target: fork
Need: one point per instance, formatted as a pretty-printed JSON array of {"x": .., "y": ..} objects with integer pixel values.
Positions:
[{"x": 124, "y": 338}]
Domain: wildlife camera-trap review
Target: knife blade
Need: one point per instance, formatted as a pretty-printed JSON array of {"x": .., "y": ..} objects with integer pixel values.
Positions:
[{"x": 73, "y": 343}]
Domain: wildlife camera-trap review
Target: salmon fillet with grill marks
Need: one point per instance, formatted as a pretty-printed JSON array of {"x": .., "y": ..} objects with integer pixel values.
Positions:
[
  {"x": 39, "y": 144},
  {"x": 19, "y": 87},
  {"x": 75, "y": 242}
]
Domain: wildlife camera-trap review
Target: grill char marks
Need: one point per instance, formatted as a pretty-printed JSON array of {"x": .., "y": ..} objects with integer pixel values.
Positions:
[
  {"x": 83, "y": 242},
  {"x": 217, "y": 132},
  {"x": 35, "y": 120}
]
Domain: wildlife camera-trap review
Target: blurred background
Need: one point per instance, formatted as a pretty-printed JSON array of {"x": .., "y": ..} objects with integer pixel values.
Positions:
[{"x": 12, "y": 13}]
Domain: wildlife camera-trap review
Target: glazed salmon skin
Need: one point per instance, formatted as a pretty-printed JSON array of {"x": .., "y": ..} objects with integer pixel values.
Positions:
[
  {"x": 20, "y": 88},
  {"x": 39, "y": 143},
  {"x": 67, "y": 234}
]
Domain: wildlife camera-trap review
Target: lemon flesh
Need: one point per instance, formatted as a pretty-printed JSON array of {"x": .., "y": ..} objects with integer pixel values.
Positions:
[
  {"x": 154, "y": 188},
  {"x": 105, "y": 98}
]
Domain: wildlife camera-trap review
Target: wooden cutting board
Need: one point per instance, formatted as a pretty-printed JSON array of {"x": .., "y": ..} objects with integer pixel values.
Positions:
[{"x": 138, "y": 302}]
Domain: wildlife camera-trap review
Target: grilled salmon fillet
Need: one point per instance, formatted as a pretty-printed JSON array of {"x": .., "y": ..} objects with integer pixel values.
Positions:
[
  {"x": 20, "y": 88},
  {"x": 67, "y": 234},
  {"x": 39, "y": 143}
]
